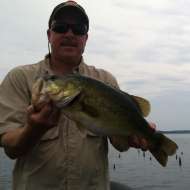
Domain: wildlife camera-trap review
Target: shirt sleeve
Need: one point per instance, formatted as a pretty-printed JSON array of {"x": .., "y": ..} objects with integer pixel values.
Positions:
[
  {"x": 109, "y": 79},
  {"x": 14, "y": 99}
]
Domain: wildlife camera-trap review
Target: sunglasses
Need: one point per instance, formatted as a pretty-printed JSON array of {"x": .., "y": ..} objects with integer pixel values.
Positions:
[{"x": 77, "y": 29}]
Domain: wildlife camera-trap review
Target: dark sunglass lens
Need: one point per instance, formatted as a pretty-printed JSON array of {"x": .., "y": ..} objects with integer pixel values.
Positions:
[
  {"x": 60, "y": 28},
  {"x": 79, "y": 29}
]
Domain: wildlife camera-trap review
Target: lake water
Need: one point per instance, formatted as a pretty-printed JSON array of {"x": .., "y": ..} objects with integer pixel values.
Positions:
[
  {"x": 133, "y": 169},
  {"x": 141, "y": 173}
]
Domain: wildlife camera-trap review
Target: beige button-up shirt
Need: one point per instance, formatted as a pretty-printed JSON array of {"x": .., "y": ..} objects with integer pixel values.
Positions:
[{"x": 63, "y": 159}]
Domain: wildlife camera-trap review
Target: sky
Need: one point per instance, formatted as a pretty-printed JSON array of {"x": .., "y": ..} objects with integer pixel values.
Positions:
[{"x": 144, "y": 44}]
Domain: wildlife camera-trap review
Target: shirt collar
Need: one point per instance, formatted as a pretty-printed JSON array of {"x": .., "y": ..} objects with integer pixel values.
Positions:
[{"x": 78, "y": 69}]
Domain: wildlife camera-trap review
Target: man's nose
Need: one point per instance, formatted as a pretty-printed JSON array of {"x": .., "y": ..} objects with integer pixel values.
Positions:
[{"x": 69, "y": 32}]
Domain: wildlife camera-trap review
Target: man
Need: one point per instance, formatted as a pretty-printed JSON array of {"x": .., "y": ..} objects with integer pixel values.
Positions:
[{"x": 50, "y": 151}]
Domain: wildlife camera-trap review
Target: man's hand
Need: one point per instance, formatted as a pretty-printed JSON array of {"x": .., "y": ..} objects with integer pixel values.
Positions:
[
  {"x": 39, "y": 119},
  {"x": 122, "y": 143},
  {"x": 43, "y": 117}
]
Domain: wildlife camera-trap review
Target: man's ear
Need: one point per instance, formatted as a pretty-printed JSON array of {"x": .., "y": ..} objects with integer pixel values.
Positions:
[
  {"x": 48, "y": 34},
  {"x": 86, "y": 36}
]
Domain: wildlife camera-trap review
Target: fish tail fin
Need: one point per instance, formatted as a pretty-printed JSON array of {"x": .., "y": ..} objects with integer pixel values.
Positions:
[{"x": 164, "y": 147}]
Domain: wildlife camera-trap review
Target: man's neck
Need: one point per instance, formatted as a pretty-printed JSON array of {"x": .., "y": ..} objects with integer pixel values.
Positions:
[{"x": 61, "y": 67}]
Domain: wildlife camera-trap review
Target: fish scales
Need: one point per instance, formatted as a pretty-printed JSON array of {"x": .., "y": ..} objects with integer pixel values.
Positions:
[{"x": 103, "y": 110}]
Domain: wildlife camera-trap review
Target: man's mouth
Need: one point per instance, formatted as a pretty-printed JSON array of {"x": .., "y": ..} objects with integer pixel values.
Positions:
[{"x": 67, "y": 44}]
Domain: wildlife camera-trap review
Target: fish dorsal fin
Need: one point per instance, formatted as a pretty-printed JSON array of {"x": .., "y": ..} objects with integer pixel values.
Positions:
[{"x": 144, "y": 105}]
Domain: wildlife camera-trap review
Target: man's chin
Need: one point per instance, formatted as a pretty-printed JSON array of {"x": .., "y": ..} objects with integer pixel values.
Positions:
[{"x": 70, "y": 58}]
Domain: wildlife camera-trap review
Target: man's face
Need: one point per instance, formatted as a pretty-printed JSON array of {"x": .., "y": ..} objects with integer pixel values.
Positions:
[{"x": 67, "y": 46}]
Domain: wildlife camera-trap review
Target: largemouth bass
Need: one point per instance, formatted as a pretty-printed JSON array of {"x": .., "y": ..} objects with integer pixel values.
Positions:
[{"x": 103, "y": 110}]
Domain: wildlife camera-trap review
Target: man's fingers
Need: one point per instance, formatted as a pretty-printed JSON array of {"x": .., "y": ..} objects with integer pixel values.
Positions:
[
  {"x": 144, "y": 144},
  {"x": 46, "y": 117},
  {"x": 30, "y": 109},
  {"x": 133, "y": 141},
  {"x": 46, "y": 110},
  {"x": 152, "y": 125},
  {"x": 138, "y": 142}
]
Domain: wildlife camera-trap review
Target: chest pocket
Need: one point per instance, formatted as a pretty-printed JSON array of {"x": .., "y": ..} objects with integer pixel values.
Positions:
[
  {"x": 96, "y": 142},
  {"x": 51, "y": 134}
]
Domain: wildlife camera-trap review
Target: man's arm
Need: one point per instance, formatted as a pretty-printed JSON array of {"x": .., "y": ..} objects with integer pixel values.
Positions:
[{"x": 18, "y": 141}]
